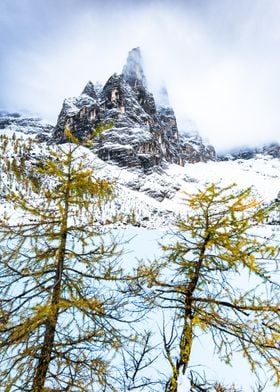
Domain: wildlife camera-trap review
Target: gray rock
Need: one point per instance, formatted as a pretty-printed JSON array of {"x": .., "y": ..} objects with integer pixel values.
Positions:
[
  {"x": 140, "y": 134},
  {"x": 272, "y": 149},
  {"x": 195, "y": 150},
  {"x": 90, "y": 90}
]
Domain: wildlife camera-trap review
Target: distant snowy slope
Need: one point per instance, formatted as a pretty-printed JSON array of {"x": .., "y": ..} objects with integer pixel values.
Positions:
[
  {"x": 262, "y": 173},
  {"x": 26, "y": 124}
]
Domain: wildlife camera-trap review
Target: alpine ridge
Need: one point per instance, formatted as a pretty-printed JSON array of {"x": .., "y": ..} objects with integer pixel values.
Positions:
[{"x": 142, "y": 133}]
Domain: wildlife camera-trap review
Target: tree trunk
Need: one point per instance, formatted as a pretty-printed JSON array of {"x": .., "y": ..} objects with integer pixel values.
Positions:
[
  {"x": 51, "y": 322},
  {"x": 186, "y": 336}
]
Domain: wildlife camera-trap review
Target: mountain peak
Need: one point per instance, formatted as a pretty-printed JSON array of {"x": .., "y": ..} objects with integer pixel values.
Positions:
[
  {"x": 89, "y": 90},
  {"x": 142, "y": 134},
  {"x": 133, "y": 72}
]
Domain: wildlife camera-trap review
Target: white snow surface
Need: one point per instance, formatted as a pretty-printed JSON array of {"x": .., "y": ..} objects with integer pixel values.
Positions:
[
  {"x": 262, "y": 174},
  {"x": 157, "y": 199}
]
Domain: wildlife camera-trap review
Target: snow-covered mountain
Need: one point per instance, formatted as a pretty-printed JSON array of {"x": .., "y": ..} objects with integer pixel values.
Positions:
[
  {"x": 142, "y": 150},
  {"x": 142, "y": 133}
]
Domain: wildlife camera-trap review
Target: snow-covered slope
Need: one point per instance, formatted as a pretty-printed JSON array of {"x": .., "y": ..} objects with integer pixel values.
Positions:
[
  {"x": 26, "y": 124},
  {"x": 148, "y": 200},
  {"x": 165, "y": 190}
]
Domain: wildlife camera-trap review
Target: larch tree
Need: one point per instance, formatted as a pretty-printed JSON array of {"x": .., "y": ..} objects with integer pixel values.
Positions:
[
  {"x": 196, "y": 283},
  {"x": 61, "y": 304}
]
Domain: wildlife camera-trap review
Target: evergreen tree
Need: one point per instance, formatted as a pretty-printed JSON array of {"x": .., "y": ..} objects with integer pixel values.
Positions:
[
  {"x": 60, "y": 301},
  {"x": 196, "y": 282}
]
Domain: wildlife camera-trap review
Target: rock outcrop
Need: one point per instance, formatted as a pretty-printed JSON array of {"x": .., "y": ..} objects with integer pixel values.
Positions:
[
  {"x": 194, "y": 149},
  {"x": 141, "y": 133}
]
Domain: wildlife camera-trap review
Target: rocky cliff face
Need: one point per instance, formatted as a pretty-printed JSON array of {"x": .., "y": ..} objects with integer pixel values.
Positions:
[{"x": 141, "y": 133}]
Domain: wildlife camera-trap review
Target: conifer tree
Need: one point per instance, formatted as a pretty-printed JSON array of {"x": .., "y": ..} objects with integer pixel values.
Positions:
[
  {"x": 60, "y": 303},
  {"x": 196, "y": 283}
]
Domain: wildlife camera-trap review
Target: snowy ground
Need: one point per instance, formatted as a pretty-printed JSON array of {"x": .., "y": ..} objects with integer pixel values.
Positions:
[
  {"x": 156, "y": 199},
  {"x": 164, "y": 192}
]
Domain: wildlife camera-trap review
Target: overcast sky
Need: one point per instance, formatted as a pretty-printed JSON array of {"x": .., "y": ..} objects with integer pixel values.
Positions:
[{"x": 219, "y": 59}]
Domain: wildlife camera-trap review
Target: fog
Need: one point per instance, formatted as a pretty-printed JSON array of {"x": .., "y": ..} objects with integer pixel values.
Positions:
[{"x": 219, "y": 59}]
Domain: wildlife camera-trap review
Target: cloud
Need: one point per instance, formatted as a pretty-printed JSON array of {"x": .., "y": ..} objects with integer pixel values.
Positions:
[{"x": 218, "y": 59}]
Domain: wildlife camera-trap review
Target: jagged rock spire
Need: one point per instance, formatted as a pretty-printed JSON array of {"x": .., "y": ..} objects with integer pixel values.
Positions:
[
  {"x": 89, "y": 90},
  {"x": 142, "y": 134},
  {"x": 133, "y": 70}
]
